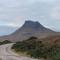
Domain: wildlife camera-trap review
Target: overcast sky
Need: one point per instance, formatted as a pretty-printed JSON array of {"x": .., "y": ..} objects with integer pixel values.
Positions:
[{"x": 13, "y": 13}]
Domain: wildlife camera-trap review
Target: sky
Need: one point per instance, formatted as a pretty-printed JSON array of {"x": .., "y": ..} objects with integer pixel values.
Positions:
[{"x": 13, "y": 14}]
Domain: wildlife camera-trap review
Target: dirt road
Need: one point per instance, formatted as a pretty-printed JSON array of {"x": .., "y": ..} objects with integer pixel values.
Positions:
[{"x": 7, "y": 54}]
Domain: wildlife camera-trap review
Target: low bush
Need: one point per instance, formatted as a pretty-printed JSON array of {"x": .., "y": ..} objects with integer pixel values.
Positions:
[
  {"x": 38, "y": 49},
  {"x": 5, "y": 42}
]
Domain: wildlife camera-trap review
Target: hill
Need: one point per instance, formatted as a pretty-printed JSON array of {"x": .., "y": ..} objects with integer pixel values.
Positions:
[
  {"x": 29, "y": 28},
  {"x": 39, "y": 48}
]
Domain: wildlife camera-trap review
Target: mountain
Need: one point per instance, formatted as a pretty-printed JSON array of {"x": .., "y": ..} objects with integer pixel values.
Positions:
[{"x": 29, "y": 28}]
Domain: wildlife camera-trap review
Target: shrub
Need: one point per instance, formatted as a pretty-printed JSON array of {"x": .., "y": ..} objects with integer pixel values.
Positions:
[
  {"x": 5, "y": 42},
  {"x": 38, "y": 49},
  {"x": 32, "y": 38}
]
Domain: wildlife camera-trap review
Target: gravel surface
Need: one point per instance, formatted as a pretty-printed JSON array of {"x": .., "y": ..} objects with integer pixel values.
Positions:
[{"x": 7, "y": 54}]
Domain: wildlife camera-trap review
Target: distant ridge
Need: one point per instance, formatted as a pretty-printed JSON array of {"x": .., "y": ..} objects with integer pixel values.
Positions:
[{"x": 29, "y": 28}]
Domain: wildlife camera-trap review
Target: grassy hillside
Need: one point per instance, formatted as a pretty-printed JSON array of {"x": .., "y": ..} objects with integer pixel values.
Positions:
[{"x": 34, "y": 47}]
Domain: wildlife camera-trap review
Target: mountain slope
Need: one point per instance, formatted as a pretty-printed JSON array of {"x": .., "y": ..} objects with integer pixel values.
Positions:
[{"x": 30, "y": 28}]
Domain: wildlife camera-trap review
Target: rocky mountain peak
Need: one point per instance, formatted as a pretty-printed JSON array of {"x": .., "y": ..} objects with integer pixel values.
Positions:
[{"x": 32, "y": 24}]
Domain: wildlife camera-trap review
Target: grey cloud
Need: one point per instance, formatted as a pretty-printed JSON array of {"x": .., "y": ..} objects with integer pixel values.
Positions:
[{"x": 17, "y": 11}]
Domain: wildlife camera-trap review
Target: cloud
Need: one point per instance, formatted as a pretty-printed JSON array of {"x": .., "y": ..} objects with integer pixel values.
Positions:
[
  {"x": 56, "y": 13},
  {"x": 15, "y": 12},
  {"x": 55, "y": 10}
]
